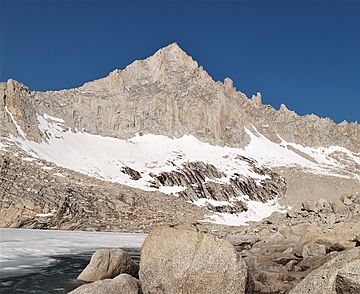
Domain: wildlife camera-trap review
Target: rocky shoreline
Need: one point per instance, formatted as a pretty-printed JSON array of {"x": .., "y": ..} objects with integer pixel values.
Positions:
[{"x": 315, "y": 249}]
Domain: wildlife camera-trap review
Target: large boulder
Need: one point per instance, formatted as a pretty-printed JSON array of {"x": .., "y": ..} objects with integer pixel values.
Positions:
[
  {"x": 186, "y": 260},
  {"x": 348, "y": 278},
  {"x": 313, "y": 249},
  {"x": 122, "y": 284},
  {"x": 107, "y": 264},
  {"x": 333, "y": 277}
]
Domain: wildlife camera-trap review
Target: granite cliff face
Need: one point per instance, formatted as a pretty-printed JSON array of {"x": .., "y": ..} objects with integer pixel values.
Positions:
[
  {"x": 166, "y": 112},
  {"x": 169, "y": 94}
]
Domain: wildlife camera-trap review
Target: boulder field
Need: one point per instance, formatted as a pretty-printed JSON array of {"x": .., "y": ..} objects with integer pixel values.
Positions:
[{"x": 315, "y": 249}]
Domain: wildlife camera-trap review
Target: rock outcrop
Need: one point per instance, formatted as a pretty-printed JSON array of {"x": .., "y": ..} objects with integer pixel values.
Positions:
[
  {"x": 186, "y": 260},
  {"x": 34, "y": 194},
  {"x": 107, "y": 264},
  {"x": 348, "y": 278},
  {"x": 205, "y": 181},
  {"x": 302, "y": 251},
  {"x": 339, "y": 275}
]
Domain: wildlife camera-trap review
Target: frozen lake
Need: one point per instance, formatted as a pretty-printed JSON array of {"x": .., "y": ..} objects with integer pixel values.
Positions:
[{"x": 45, "y": 255}]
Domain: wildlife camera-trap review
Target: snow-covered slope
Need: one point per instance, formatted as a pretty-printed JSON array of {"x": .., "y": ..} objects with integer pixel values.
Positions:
[
  {"x": 149, "y": 155},
  {"x": 105, "y": 157},
  {"x": 333, "y": 160}
]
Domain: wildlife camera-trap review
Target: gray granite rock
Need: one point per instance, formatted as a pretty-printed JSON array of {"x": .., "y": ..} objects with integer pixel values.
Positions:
[
  {"x": 348, "y": 278},
  {"x": 182, "y": 260},
  {"x": 122, "y": 284},
  {"x": 107, "y": 264},
  {"x": 325, "y": 278}
]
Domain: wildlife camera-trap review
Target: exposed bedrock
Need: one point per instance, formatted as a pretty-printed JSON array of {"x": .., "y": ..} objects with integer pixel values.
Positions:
[
  {"x": 35, "y": 195},
  {"x": 205, "y": 181},
  {"x": 170, "y": 94}
]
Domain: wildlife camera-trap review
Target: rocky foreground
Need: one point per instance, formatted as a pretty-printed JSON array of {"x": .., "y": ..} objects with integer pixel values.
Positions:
[{"x": 315, "y": 249}]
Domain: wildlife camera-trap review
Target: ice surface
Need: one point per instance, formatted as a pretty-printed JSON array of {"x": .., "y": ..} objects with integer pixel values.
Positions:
[{"x": 23, "y": 251}]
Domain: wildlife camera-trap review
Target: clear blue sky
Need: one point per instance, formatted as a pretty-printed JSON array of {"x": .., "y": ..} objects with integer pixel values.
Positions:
[{"x": 305, "y": 54}]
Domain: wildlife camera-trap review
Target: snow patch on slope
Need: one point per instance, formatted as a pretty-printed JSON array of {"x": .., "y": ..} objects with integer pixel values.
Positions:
[
  {"x": 324, "y": 161},
  {"x": 325, "y": 156},
  {"x": 105, "y": 158},
  {"x": 256, "y": 212}
]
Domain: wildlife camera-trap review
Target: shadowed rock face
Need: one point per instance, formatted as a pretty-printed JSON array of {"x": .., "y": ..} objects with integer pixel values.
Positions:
[{"x": 348, "y": 278}]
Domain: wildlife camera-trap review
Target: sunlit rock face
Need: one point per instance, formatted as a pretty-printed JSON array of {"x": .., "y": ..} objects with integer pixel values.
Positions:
[{"x": 164, "y": 126}]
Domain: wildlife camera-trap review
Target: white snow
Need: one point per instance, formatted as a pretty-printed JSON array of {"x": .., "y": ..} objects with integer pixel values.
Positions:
[
  {"x": 28, "y": 158},
  {"x": 59, "y": 175},
  {"x": 49, "y": 117},
  {"x": 323, "y": 155},
  {"x": 45, "y": 214},
  {"x": 105, "y": 157},
  {"x": 256, "y": 212},
  {"x": 205, "y": 201},
  {"x": 272, "y": 154},
  {"x": 23, "y": 251},
  {"x": 171, "y": 189}
]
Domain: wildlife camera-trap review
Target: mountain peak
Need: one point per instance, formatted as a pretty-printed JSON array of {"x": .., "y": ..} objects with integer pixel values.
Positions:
[
  {"x": 173, "y": 45},
  {"x": 173, "y": 55},
  {"x": 172, "y": 48}
]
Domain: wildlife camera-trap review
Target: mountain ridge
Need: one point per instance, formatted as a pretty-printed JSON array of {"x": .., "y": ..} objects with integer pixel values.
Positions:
[
  {"x": 163, "y": 125},
  {"x": 170, "y": 71}
]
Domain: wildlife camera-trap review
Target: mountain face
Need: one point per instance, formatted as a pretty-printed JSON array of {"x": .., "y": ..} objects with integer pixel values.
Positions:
[{"x": 164, "y": 126}]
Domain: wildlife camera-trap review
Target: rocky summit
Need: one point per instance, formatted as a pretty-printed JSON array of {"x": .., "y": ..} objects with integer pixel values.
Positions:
[{"x": 238, "y": 197}]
